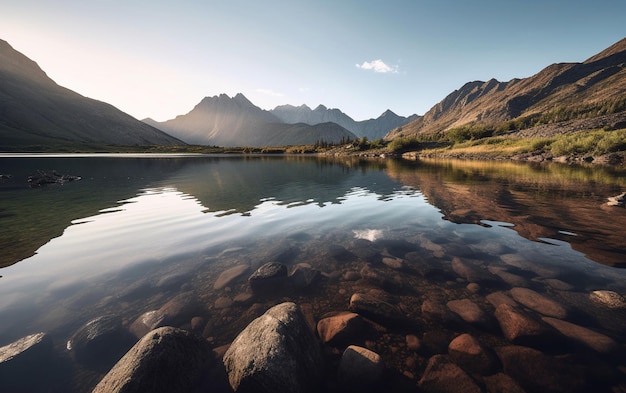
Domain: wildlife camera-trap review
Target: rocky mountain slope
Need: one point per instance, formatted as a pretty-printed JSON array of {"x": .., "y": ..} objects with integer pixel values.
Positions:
[
  {"x": 372, "y": 128},
  {"x": 225, "y": 121},
  {"x": 35, "y": 111},
  {"x": 563, "y": 91}
]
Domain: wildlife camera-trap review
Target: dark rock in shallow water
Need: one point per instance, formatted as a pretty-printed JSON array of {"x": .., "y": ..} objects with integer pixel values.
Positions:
[
  {"x": 469, "y": 312},
  {"x": 165, "y": 360},
  {"x": 303, "y": 276},
  {"x": 101, "y": 341},
  {"x": 473, "y": 273},
  {"x": 520, "y": 327},
  {"x": 275, "y": 353},
  {"x": 590, "y": 338},
  {"x": 376, "y": 309},
  {"x": 443, "y": 376},
  {"x": 179, "y": 309},
  {"x": 269, "y": 277},
  {"x": 360, "y": 370},
  {"x": 537, "y": 372},
  {"x": 30, "y": 365},
  {"x": 538, "y": 303},
  {"x": 229, "y": 275},
  {"x": 468, "y": 353}
]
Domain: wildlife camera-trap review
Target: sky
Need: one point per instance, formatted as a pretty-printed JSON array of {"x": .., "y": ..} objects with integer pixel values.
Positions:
[{"x": 159, "y": 59}]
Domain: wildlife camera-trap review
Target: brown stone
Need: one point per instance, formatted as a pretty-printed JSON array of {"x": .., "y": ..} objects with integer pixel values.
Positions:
[
  {"x": 521, "y": 328},
  {"x": 375, "y": 308},
  {"x": 538, "y": 372},
  {"x": 340, "y": 329},
  {"x": 592, "y": 339},
  {"x": 443, "y": 376},
  {"x": 502, "y": 383},
  {"x": 538, "y": 303},
  {"x": 412, "y": 342},
  {"x": 468, "y": 353},
  {"x": 229, "y": 275},
  {"x": 468, "y": 311}
]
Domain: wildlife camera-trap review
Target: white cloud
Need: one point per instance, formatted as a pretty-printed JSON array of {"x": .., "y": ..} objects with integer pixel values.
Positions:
[
  {"x": 270, "y": 92},
  {"x": 378, "y": 66}
]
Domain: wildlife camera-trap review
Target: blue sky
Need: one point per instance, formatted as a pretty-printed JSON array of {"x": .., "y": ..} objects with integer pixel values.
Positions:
[{"x": 160, "y": 58}]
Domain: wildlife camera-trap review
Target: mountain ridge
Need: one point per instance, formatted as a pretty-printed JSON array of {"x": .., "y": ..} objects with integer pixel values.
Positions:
[
  {"x": 371, "y": 128},
  {"x": 598, "y": 80},
  {"x": 36, "y": 111}
]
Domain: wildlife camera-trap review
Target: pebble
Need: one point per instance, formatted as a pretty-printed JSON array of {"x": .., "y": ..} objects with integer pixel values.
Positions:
[{"x": 609, "y": 299}]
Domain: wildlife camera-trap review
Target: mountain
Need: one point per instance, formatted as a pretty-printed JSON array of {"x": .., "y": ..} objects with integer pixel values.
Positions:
[
  {"x": 225, "y": 121},
  {"x": 35, "y": 111},
  {"x": 562, "y": 91},
  {"x": 372, "y": 128}
]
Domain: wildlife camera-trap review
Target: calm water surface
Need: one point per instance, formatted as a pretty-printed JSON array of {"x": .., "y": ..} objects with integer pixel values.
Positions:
[{"x": 139, "y": 231}]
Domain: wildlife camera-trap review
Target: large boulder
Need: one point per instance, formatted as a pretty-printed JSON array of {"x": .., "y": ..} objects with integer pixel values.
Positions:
[
  {"x": 165, "y": 360},
  {"x": 275, "y": 353}
]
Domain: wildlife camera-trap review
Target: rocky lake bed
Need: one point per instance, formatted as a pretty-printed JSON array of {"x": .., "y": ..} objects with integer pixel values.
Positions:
[{"x": 368, "y": 315}]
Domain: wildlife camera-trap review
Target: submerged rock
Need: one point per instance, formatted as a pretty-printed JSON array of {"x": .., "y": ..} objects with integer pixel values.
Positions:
[
  {"x": 609, "y": 299},
  {"x": 538, "y": 372},
  {"x": 165, "y": 360},
  {"x": 101, "y": 340},
  {"x": 592, "y": 339},
  {"x": 275, "y": 353},
  {"x": 340, "y": 329},
  {"x": 360, "y": 369},
  {"x": 268, "y": 277},
  {"x": 375, "y": 308},
  {"x": 468, "y": 353},
  {"x": 469, "y": 312},
  {"x": 521, "y": 328},
  {"x": 229, "y": 275},
  {"x": 441, "y": 375},
  {"x": 538, "y": 303}
]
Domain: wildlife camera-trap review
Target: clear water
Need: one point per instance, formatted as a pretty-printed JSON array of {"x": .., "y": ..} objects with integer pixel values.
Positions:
[{"x": 137, "y": 231}]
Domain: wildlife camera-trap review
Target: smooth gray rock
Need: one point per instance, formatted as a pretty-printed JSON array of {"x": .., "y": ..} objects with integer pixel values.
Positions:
[
  {"x": 360, "y": 370},
  {"x": 165, "y": 360},
  {"x": 275, "y": 353}
]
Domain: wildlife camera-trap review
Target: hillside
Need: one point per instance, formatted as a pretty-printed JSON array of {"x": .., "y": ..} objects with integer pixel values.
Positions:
[
  {"x": 372, "y": 128},
  {"x": 36, "y": 113},
  {"x": 225, "y": 121},
  {"x": 560, "y": 92}
]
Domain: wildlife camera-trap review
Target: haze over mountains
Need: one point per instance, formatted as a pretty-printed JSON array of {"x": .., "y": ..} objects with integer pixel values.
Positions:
[
  {"x": 35, "y": 111},
  {"x": 225, "y": 121},
  {"x": 598, "y": 81}
]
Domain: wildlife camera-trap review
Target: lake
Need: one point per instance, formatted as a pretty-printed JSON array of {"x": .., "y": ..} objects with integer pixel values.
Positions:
[{"x": 141, "y": 234}]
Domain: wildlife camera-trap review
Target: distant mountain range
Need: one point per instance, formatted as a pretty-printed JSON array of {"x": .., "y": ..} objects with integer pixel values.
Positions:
[
  {"x": 372, "y": 128},
  {"x": 225, "y": 121},
  {"x": 35, "y": 112},
  {"x": 560, "y": 91}
]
